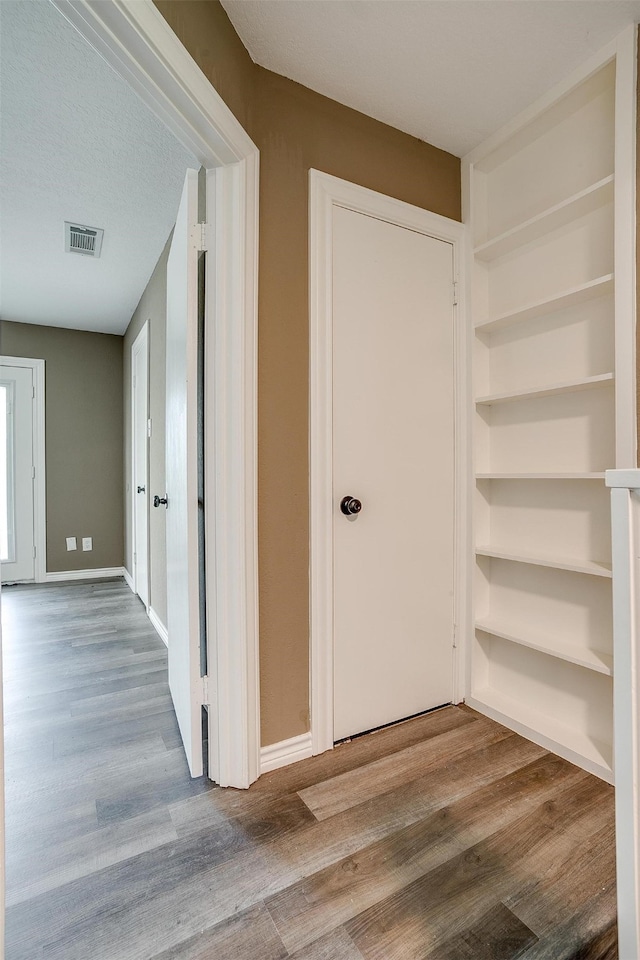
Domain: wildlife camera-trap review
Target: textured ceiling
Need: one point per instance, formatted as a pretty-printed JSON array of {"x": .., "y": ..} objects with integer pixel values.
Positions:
[
  {"x": 450, "y": 72},
  {"x": 78, "y": 145}
]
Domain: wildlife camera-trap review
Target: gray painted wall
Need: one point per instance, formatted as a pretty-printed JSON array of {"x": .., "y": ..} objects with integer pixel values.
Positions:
[
  {"x": 152, "y": 307},
  {"x": 84, "y": 439}
]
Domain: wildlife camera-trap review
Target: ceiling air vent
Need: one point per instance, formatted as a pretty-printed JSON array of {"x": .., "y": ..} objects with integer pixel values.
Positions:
[{"x": 84, "y": 240}]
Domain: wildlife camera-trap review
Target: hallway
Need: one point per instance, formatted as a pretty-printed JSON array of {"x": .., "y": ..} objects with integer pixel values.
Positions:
[{"x": 447, "y": 837}]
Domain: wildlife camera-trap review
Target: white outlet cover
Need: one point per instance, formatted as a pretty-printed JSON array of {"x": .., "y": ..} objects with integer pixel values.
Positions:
[
  {"x": 72, "y": 543},
  {"x": 87, "y": 543}
]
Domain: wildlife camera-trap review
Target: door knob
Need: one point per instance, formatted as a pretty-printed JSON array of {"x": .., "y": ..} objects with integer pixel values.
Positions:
[
  {"x": 141, "y": 489},
  {"x": 350, "y": 506},
  {"x": 158, "y": 500}
]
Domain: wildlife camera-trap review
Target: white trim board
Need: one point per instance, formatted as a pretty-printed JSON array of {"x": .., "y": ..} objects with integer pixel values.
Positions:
[
  {"x": 139, "y": 345},
  {"x": 158, "y": 626},
  {"x": 39, "y": 456},
  {"x": 137, "y": 42},
  {"x": 325, "y": 192},
  {"x": 128, "y": 579},
  {"x": 99, "y": 573},
  {"x": 285, "y": 752},
  {"x": 625, "y": 508}
]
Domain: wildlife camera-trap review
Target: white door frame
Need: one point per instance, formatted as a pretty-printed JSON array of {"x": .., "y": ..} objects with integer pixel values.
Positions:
[
  {"x": 39, "y": 462},
  {"x": 139, "y": 345},
  {"x": 137, "y": 42},
  {"x": 325, "y": 192}
]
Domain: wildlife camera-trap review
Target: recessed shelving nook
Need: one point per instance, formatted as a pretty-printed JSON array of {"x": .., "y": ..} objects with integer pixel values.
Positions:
[{"x": 551, "y": 284}]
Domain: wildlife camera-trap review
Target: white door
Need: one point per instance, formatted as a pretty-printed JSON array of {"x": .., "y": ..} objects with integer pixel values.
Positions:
[
  {"x": 183, "y": 600},
  {"x": 17, "y": 533},
  {"x": 393, "y": 436},
  {"x": 140, "y": 492}
]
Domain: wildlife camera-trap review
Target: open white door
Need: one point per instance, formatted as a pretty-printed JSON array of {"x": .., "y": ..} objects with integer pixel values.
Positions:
[
  {"x": 183, "y": 600},
  {"x": 140, "y": 498}
]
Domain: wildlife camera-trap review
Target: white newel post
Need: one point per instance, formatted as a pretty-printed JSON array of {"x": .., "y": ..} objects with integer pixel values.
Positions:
[{"x": 625, "y": 524}]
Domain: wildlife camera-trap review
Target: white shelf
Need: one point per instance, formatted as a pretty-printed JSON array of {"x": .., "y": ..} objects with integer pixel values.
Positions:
[
  {"x": 600, "y": 287},
  {"x": 574, "y": 745},
  {"x": 590, "y": 659},
  {"x": 539, "y": 476},
  {"x": 549, "y": 220},
  {"x": 570, "y": 386},
  {"x": 557, "y": 563}
]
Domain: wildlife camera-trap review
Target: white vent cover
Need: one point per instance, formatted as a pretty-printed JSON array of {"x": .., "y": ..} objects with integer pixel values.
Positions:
[{"x": 84, "y": 240}]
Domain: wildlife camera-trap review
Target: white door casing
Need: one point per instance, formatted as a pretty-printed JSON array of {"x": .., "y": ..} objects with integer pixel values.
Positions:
[
  {"x": 183, "y": 602},
  {"x": 139, "y": 460},
  {"x": 327, "y": 193},
  {"x": 17, "y": 384},
  {"x": 137, "y": 42},
  {"x": 29, "y": 435},
  {"x": 393, "y": 448}
]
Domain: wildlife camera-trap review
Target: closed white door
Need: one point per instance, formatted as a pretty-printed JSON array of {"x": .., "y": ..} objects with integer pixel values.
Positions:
[
  {"x": 393, "y": 436},
  {"x": 183, "y": 599},
  {"x": 17, "y": 535},
  {"x": 140, "y": 495}
]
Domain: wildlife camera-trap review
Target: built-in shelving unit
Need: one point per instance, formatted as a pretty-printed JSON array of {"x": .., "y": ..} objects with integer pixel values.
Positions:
[{"x": 542, "y": 198}]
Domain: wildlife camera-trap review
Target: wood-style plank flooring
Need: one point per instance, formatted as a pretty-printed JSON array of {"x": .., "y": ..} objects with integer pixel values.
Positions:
[{"x": 444, "y": 838}]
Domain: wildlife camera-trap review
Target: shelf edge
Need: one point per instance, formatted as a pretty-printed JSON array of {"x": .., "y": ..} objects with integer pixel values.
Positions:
[
  {"x": 570, "y": 386},
  {"x": 592, "y": 290},
  {"x": 593, "y": 569},
  {"x": 599, "y": 768},
  {"x": 575, "y": 659},
  {"x": 516, "y": 237}
]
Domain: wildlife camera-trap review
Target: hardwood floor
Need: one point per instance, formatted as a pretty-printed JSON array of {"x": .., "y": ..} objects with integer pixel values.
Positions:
[{"x": 447, "y": 837}]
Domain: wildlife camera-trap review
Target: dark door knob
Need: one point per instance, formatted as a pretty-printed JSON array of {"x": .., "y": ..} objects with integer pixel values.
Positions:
[
  {"x": 141, "y": 489},
  {"x": 350, "y": 506},
  {"x": 158, "y": 500}
]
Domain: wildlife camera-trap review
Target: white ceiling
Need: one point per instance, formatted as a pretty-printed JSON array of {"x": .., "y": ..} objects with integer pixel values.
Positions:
[
  {"x": 450, "y": 72},
  {"x": 78, "y": 145}
]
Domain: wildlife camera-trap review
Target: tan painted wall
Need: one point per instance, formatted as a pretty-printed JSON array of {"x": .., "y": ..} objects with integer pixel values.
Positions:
[
  {"x": 83, "y": 414},
  {"x": 152, "y": 307},
  {"x": 295, "y": 129}
]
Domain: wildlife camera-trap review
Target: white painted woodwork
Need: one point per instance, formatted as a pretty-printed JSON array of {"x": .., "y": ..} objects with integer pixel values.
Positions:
[
  {"x": 326, "y": 195},
  {"x": 140, "y": 47},
  {"x": 19, "y": 453},
  {"x": 183, "y": 613},
  {"x": 140, "y": 478},
  {"x": 553, "y": 375},
  {"x": 566, "y": 298},
  {"x": 393, "y": 420},
  {"x": 625, "y": 520}
]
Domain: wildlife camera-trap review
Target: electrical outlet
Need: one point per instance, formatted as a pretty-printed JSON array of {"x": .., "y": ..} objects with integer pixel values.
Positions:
[
  {"x": 71, "y": 543},
  {"x": 87, "y": 543}
]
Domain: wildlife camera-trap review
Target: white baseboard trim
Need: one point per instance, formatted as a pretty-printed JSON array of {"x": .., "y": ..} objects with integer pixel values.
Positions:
[
  {"x": 160, "y": 628},
  {"x": 98, "y": 573},
  {"x": 128, "y": 579},
  {"x": 285, "y": 752}
]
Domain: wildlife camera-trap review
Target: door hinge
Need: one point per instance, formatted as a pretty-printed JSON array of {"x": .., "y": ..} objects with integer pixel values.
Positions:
[
  {"x": 34, "y": 553},
  {"x": 33, "y": 473},
  {"x": 200, "y": 235},
  {"x": 455, "y": 636},
  {"x": 205, "y": 690},
  {"x": 135, "y": 557},
  {"x": 149, "y": 427},
  {"x": 455, "y": 293}
]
